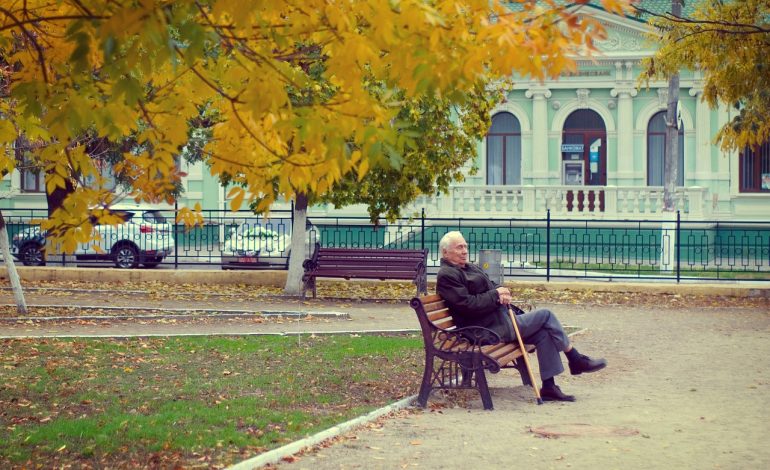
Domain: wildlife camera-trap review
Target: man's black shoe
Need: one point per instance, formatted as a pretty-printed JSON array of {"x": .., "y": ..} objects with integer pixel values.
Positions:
[
  {"x": 586, "y": 364},
  {"x": 555, "y": 394}
]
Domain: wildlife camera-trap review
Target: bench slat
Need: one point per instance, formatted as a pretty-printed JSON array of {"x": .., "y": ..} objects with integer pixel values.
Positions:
[
  {"x": 365, "y": 274},
  {"x": 445, "y": 324},
  {"x": 426, "y": 300},
  {"x": 432, "y": 307},
  {"x": 371, "y": 258},
  {"x": 439, "y": 314}
]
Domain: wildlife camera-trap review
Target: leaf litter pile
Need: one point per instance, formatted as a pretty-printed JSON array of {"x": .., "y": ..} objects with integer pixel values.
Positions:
[{"x": 188, "y": 402}]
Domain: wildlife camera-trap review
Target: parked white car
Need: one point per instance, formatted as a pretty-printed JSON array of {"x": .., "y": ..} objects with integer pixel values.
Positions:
[
  {"x": 255, "y": 244},
  {"x": 146, "y": 237}
]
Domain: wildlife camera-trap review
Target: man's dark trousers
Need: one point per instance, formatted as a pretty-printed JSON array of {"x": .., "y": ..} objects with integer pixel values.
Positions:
[{"x": 543, "y": 329}]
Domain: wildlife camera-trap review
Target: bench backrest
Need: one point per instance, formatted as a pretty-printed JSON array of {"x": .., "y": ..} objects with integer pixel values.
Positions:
[
  {"x": 432, "y": 312},
  {"x": 369, "y": 262}
]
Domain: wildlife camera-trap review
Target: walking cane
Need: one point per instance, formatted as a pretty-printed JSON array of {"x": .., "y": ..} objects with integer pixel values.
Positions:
[{"x": 525, "y": 355}]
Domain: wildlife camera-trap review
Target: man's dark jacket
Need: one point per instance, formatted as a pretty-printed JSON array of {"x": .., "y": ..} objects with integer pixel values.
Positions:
[{"x": 472, "y": 298}]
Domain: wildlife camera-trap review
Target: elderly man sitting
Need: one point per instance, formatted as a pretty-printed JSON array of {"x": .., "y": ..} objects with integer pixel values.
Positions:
[{"x": 475, "y": 300}]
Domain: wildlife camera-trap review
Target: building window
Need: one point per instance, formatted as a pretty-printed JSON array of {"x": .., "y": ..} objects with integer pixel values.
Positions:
[
  {"x": 504, "y": 150},
  {"x": 755, "y": 169},
  {"x": 656, "y": 149},
  {"x": 31, "y": 178}
]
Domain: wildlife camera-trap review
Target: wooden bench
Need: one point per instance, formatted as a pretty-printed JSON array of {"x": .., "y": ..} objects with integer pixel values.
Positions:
[
  {"x": 366, "y": 263},
  {"x": 458, "y": 357}
]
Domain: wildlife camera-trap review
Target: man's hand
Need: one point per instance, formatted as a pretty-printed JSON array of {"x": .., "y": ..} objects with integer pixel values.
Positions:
[{"x": 504, "y": 295}]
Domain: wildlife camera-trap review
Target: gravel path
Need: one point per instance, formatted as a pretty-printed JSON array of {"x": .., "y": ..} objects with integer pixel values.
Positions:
[{"x": 684, "y": 389}]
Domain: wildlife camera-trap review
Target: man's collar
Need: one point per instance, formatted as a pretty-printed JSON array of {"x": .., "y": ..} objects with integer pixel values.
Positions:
[{"x": 449, "y": 263}]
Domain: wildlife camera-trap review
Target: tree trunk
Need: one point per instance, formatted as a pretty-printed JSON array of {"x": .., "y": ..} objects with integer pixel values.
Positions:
[
  {"x": 671, "y": 155},
  {"x": 13, "y": 276},
  {"x": 298, "y": 247},
  {"x": 56, "y": 197}
]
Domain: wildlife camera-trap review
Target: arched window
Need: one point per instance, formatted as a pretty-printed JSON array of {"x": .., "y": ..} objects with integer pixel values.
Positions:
[
  {"x": 656, "y": 149},
  {"x": 755, "y": 169},
  {"x": 584, "y": 145},
  {"x": 504, "y": 150}
]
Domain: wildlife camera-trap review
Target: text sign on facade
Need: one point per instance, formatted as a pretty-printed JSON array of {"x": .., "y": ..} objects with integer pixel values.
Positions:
[{"x": 566, "y": 148}]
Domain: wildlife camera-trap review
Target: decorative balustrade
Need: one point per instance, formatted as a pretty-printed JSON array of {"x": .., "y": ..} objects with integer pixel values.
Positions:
[{"x": 605, "y": 202}]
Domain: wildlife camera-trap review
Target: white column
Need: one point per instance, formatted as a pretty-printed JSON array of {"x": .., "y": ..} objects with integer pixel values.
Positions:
[
  {"x": 702, "y": 137},
  {"x": 624, "y": 91},
  {"x": 539, "y": 133},
  {"x": 625, "y": 151}
]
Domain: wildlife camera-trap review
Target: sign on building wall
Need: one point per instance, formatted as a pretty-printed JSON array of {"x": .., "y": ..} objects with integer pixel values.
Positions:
[{"x": 568, "y": 148}]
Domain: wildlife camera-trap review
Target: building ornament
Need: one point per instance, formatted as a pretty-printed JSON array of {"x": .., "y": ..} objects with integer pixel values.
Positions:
[
  {"x": 556, "y": 104},
  {"x": 662, "y": 98},
  {"x": 621, "y": 90},
  {"x": 540, "y": 92},
  {"x": 582, "y": 96},
  {"x": 696, "y": 90},
  {"x": 617, "y": 39}
]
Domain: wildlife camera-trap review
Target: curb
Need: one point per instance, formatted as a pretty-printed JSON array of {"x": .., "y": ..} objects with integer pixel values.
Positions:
[
  {"x": 175, "y": 312},
  {"x": 277, "y": 278},
  {"x": 276, "y": 455}
]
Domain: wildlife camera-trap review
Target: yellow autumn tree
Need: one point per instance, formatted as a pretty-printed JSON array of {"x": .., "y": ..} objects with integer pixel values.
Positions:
[
  {"x": 729, "y": 42},
  {"x": 146, "y": 68}
]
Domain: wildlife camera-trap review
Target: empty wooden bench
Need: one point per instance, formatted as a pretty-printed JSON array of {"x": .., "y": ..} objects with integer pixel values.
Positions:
[
  {"x": 366, "y": 263},
  {"x": 459, "y": 357}
]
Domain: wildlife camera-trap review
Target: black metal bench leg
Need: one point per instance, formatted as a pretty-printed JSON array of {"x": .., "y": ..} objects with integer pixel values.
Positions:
[
  {"x": 425, "y": 387},
  {"x": 481, "y": 383}
]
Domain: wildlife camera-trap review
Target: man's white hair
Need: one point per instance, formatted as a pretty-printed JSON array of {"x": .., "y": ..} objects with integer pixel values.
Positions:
[{"x": 448, "y": 238}]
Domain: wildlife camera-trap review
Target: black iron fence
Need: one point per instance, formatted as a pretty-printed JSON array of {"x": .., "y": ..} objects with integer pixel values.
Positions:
[{"x": 543, "y": 247}]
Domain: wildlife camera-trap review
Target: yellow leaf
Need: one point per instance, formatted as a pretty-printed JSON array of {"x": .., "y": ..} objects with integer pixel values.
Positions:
[
  {"x": 363, "y": 167},
  {"x": 7, "y": 131}
]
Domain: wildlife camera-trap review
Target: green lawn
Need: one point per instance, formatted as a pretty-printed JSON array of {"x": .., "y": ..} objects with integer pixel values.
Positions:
[{"x": 209, "y": 401}]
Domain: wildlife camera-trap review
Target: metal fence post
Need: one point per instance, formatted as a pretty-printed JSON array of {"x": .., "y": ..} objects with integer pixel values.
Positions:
[
  {"x": 422, "y": 229},
  {"x": 548, "y": 245},
  {"x": 176, "y": 237},
  {"x": 678, "y": 246}
]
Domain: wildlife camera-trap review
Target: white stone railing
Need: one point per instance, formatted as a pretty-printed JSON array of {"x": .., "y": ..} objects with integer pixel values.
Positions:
[{"x": 605, "y": 202}]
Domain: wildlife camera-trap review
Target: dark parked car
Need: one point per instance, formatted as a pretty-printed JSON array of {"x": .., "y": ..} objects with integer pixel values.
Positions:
[{"x": 28, "y": 245}]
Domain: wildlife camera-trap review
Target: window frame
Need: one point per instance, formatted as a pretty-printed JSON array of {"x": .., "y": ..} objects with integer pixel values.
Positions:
[
  {"x": 759, "y": 157},
  {"x": 649, "y": 135},
  {"x": 505, "y": 136}
]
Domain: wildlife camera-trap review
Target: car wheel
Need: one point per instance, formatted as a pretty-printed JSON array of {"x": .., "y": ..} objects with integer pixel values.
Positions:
[
  {"x": 31, "y": 255},
  {"x": 126, "y": 256}
]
